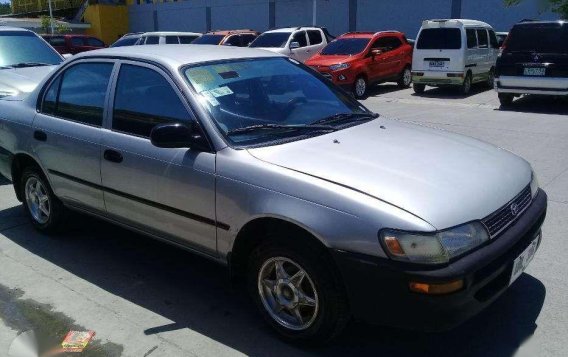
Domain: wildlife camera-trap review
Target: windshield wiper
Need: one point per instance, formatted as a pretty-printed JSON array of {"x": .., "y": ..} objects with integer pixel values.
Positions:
[
  {"x": 258, "y": 127},
  {"x": 339, "y": 117},
  {"x": 29, "y": 64}
]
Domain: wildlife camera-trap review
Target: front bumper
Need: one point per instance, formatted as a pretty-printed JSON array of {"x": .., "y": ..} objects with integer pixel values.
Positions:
[{"x": 379, "y": 293}]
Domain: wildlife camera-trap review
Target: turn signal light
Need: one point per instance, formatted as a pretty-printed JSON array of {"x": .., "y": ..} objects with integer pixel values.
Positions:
[{"x": 437, "y": 288}]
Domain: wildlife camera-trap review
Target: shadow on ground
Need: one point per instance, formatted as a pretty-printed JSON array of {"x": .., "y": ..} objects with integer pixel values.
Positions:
[
  {"x": 452, "y": 92},
  {"x": 539, "y": 105},
  {"x": 3, "y": 181},
  {"x": 196, "y": 294}
]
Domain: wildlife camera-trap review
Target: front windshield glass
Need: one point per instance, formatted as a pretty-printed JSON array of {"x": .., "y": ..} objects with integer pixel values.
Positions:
[
  {"x": 274, "y": 93},
  {"x": 208, "y": 40},
  {"x": 345, "y": 46},
  {"x": 271, "y": 39},
  {"x": 17, "y": 47}
]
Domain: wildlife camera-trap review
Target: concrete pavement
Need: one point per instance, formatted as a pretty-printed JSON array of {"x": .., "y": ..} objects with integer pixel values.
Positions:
[{"x": 144, "y": 298}]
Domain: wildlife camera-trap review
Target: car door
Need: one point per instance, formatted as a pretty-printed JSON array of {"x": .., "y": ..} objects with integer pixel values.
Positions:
[
  {"x": 315, "y": 38},
  {"x": 168, "y": 192},
  {"x": 300, "y": 53},
  {"x": 484, "y": 53},
  {"x": 379, "y": 64},
  {"x": 67, "y": 132},
  {"x": 395, "y": 56},
  {"x": 472, "y": 59}
]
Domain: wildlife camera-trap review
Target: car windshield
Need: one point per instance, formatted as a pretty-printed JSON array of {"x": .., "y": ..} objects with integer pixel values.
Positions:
[
  {"x": 22, "y": 47},
  {"x": 346, "y": 46},
  {"x": 541, "y": 38},
  {"x": 257, "y": 101},
  {"x": 126, "y": 41},
  {"x": 208, "y": 40},
  {"x": 439, "y": 39},
  {"x": 271, "y": 39}
]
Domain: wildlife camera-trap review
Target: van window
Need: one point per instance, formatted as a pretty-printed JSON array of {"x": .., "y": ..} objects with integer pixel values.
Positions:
[
  {"x": 541, "y": 38},
  {"x": 471, "y": 38},
  {"x": 483, "y": 39},
  {"x": 439, "y": 39},
  {"x": 493, "y": 39}
]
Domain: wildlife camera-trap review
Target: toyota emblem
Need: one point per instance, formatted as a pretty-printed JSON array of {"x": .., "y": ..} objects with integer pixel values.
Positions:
[{"x": 514, "y": 209}]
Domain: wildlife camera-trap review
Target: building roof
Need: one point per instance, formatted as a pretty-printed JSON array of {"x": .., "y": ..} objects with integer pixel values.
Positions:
[{"x": 174, "y": 56}]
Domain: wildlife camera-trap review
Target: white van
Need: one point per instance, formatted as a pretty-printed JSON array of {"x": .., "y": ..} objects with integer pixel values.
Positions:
[{"x": 454, "y": 52}]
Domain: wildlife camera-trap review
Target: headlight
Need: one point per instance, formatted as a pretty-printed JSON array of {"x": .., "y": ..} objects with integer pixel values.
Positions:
[
  {"x": 434, "y": 248},
  {"x": 335, "y": 67},
  {"x": 534, "y": 185}
]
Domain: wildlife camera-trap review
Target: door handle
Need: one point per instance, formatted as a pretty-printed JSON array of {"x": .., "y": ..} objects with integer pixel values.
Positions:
[
  {"x": 40, "y": 135},
  {"x": 113, "y": 156}
]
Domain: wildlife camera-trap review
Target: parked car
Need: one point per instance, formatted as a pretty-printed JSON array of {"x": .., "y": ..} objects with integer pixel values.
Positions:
[
  {"x": 454, "y": 53},
  {"x": 130, "y": 39},
  {"x": 25, "y": 59},
  {"x": 357, "y": 60},
  {"x": 247, "y": 157},
  {"x": 167, "y": 38},
  {"x": 299, "y": 43},
  {"x": 501, "y": 36},
  {"x": 73, "y": 43},
  {"x": 534, "y": 61},
  {"x": 237, "y": 38}
]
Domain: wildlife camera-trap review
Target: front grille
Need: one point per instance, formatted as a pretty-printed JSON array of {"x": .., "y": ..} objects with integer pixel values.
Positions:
[
  {"x": 506, "y": 215},
  {"x": 327, "y": 75}
]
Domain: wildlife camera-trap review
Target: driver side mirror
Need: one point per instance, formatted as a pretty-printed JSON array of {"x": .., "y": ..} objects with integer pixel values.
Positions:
[
  {"x": 294, "y": 45},
  {"x": 376, "y": 52},
  {"x": 176, "y": 135}
]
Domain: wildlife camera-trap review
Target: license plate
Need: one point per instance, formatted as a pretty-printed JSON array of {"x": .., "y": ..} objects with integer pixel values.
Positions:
[
  {"x": 437, "y": 64},
  {"x": 534, "y": 71},
  {"x": 523, "y": 260}
]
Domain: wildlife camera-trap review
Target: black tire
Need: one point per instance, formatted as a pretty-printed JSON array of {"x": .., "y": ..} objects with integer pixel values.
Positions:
[
  {"x": 506, "y": 99},
  {"x": 360, "y": 94},
  {"x": 405, "y": 78},
  {"x": 418, "y": 88},
  {"x": 465, "y": 88},
  {"x": 491, "y": 79},
  {"x": 54, "y": 220},
  {"x": 333, "y": 310}
]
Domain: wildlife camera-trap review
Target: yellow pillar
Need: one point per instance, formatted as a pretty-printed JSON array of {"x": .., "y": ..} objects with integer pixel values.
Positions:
[{"x": 108, "y": 22}]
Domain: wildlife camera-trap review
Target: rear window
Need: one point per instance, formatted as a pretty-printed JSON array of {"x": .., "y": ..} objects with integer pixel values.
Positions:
[
  {"x": 271, "y": 39},
  {"x": 439, "y": 39},
  {"x": 542, "y": 38}
]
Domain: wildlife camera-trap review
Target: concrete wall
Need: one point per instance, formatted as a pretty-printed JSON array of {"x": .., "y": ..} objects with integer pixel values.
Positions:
[{"x": 338, "y": 16}]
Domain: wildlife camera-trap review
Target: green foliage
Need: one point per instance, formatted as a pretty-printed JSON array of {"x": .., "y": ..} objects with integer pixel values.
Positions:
[
  {"x": 45, "y": 24},
  {"x": 558, "y": 6},
  {"x": 62, "y": 27},
  {"x": 5, "y": 9}
]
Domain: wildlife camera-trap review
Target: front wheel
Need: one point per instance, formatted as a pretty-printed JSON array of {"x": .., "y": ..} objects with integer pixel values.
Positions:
[
  {"x": 405, "y": 78},
  {"x": 360, "y": 87},
  {"x": 44, "y": 209},
  {"x": 295, "y": 291}
]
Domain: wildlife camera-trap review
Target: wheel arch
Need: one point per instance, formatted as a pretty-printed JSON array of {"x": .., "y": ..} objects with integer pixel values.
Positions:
[{"x": 19, "y": 162}]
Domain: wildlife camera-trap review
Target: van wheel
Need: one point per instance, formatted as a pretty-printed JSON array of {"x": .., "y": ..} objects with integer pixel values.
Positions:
[
  {"x": 405, "y": 78},
  {"x": 466, "y": 86},
  {"x": 419, "y": 88},
  {"x": 46, "y": 211},
  {"x": 360, "y": 87},
  {"x": 506, "y": 99},
  {"x": 296, "y": 291}
]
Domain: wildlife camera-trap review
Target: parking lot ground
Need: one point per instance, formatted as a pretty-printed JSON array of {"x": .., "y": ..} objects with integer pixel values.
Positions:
[{"x": 144, "y": 298}]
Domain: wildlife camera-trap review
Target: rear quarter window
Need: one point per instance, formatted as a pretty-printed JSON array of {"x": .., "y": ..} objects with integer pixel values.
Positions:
[{"x": 439, "y": 39}]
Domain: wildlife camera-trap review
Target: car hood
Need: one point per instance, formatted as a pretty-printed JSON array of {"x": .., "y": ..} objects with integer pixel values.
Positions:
[
  {"x": 326, "y": 61},
  {"x": 22, "y": 80},
  {"x": 446, "y": 179}
]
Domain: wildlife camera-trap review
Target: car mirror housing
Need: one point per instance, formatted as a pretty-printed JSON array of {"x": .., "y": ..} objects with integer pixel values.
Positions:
[
  {"x": 172, "y": 135},
  {"x": 294, "y": 45}
]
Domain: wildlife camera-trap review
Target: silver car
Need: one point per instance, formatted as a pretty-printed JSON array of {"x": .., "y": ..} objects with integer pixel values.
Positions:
[
  {"x": 25, "y": 60},
  {"x": 327, "y": 211}
]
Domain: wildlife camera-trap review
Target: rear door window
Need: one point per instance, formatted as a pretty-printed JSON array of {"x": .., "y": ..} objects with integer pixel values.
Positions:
[
  {"x": 439, "y": 39},
  {"x": 172, "y": 40},
  {"x": 482, "y": 39},
  {"x": 233, "y": 40},
  {"x": 471, "y": 38},
  {"x": 541, "y": 38},
  {"x": 184, "y": 40},
  {"x": 315, "y": 37},
  {"x": 493, "y": 39},
  {"x": 144, "y": 99}
]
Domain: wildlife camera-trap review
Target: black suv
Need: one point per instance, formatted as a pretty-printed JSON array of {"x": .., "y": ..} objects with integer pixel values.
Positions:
[{"x": 534, "y": 61}]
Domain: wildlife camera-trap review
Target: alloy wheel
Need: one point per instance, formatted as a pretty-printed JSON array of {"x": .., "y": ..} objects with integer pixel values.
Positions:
[
  {"x": 360, "y": 87},
  {"x": 288, "y": 293},
  {"x": 37, "y": 200},
  {"x": 406, "y": 77}
]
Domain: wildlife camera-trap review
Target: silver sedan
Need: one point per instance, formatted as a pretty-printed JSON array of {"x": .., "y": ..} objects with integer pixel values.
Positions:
[{"x": 324, "y": 209}]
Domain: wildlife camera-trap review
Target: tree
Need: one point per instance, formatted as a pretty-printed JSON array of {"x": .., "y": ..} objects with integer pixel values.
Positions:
[
  {"x": 5, "y": 9},
  {"x": 62, "y": 27},
  {"x": 45, "y": 24},
  {"x": 558, "y": 6}
]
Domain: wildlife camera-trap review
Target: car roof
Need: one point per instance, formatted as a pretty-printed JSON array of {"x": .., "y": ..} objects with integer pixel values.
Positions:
[
  {"x": 530, "y": 22},
  {"x": 174, "y": 56},
  {"x": 435, "y": 23},
  {"x": 171, "y": 33},
  {"x": 230, "y": 32},
  {"x": 361, "y": 34},
  {"x": 292, "y": 29}
]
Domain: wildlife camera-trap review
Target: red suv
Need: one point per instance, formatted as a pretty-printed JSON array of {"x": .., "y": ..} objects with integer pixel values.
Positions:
[
  {"x": 73, "y": 44},
  {"x": 357, "y": 60}
]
